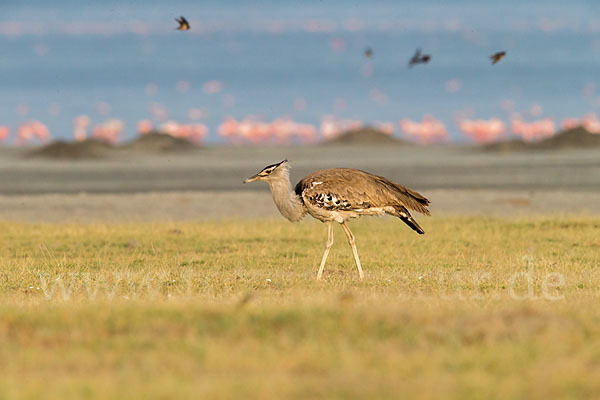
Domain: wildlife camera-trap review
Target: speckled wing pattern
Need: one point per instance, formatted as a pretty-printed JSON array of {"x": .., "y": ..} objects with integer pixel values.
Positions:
[{"x": 345, "y": 189}]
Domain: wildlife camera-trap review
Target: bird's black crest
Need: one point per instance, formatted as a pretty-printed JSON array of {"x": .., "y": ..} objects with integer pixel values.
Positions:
[{"x": 275, "y": 165}]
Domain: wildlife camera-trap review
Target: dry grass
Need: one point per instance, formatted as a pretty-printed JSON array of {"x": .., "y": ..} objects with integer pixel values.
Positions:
[{"x": 476, "y": 308}]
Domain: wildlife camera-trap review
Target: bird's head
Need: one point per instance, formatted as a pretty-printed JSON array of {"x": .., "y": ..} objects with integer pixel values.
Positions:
[{"x": 271, "y": 172}]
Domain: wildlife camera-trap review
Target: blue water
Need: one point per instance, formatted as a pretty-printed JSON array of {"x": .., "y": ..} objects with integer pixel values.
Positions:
[{"x": 553, "y": 53}]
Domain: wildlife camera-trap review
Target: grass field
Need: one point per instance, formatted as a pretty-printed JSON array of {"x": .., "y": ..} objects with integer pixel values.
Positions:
[{"x": 476, "y": 308}]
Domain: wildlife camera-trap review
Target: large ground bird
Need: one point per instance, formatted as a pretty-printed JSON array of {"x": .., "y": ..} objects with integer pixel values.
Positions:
[{"x": 335, "y": 195}]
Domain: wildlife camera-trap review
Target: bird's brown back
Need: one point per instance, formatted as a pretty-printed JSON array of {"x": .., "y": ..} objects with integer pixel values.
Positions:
[{"x": 360, "y": 189}]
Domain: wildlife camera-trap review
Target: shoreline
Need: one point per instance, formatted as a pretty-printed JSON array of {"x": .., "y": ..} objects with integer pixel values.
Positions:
[
  {"x": 222, "y": 205},
  {"x": 224, "y": 169}
]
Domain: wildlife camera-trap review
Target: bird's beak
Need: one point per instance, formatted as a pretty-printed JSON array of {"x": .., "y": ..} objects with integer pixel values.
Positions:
[{"x": 252, "y": 178}]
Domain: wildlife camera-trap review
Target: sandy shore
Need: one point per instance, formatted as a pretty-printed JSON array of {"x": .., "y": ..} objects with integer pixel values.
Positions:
[
  {"x": 224, "y": 168},
  {"x": 189, "y": 206},
  {"x": 207, "y": 183}
]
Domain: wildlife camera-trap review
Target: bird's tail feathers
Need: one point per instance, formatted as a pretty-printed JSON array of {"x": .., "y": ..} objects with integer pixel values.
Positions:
[
  {"x": 404, "y": 215},
  {"x": 413, "y": 224}
]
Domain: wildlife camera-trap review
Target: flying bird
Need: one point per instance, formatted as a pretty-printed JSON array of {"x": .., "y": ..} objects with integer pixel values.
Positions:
[
  {"x": 419, "y": 58},
  {"x": 368, "y": 52},
  {"x": 335, "y": 195},
  {"x": 184, "y": 25},
  {"x": 497, "y": 56}
]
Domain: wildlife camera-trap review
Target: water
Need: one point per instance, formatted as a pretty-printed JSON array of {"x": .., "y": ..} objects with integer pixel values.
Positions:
[{"x": 67, "y": 57}]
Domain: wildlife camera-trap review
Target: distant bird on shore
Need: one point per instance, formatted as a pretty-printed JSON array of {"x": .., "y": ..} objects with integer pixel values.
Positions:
[
  {"x": 368, "y": 52},
  {"x": 335, "y": 195},
  {"x": 184, "y": 25},
  {"x": 419, "y": 58},
  {"x": 497, "y": 57}
]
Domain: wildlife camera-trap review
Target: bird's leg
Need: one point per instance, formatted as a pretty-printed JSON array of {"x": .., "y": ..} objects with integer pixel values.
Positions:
[
  {"x": 354, "y": 250},
  {"x": 327, "y": 248}
]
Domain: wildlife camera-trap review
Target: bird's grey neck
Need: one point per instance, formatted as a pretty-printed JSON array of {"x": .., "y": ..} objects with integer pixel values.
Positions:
[{"x": 286, "y": 200}]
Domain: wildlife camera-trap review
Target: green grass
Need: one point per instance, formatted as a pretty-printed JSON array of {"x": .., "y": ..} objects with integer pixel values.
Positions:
[{"x": 476, "y": 308}]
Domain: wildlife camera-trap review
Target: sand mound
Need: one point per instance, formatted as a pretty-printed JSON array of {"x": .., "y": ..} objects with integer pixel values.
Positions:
[
  {"x": 366, "y": 136},
  {"x": 156, "y": 142},
  {"x": 88, "y": 149},
  {"x": 506, "y": 145},
  {"x": 571, "y": 139},
  {"x": 575, "y": 138},
  {"x": 152, "y": 143}
]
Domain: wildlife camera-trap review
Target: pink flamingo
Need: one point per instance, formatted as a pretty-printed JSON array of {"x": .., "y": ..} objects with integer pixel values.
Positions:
[
  {"x": 4, "y": 132},
  {"x": 109, "y": 131},
  {"x": 481, "y": 130},
  {"x": 589, "y": 122},
  {"x": 429, "y": 130},
  {"x": 31, "y": 130},
  {"x": 80, "y": 125},
  {"x": 144, "y": 126},
  {"x": 535, "y": 130}
]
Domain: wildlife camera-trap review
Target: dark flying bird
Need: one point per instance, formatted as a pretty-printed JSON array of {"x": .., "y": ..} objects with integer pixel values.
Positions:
[
  {"x": 419, "y": 58},
  {"x": 497, "y": 56},
  {"x": 335, "y": 195},
  {"x": 368, "y": 52},
  {"x": 183, "y": 24}
]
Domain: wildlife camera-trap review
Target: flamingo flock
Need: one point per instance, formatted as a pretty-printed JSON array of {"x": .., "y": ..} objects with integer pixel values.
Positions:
[
  {"x": 31, "y": 131},
  {"x": 486, "y": 131},
  {"x": 332, "y": 126},
  {"x": 534, "y": 130},
  {"x": 252, "y": 130},
  {"x": 589, "y": 122},
  {"x": 193, "y": 132},
  {"x": 285, "y": 130},
  {"x": 109, "y": 131},
  {"x": 482, "y": 130},
  {"x": 429, "y": 130}
]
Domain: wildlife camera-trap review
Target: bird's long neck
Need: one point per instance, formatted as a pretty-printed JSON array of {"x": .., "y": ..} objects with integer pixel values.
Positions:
[{"x": 287, "y": 201}]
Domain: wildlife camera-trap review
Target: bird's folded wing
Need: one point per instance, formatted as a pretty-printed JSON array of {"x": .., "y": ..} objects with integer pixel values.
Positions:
[{"x": 351, "y": 189}]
